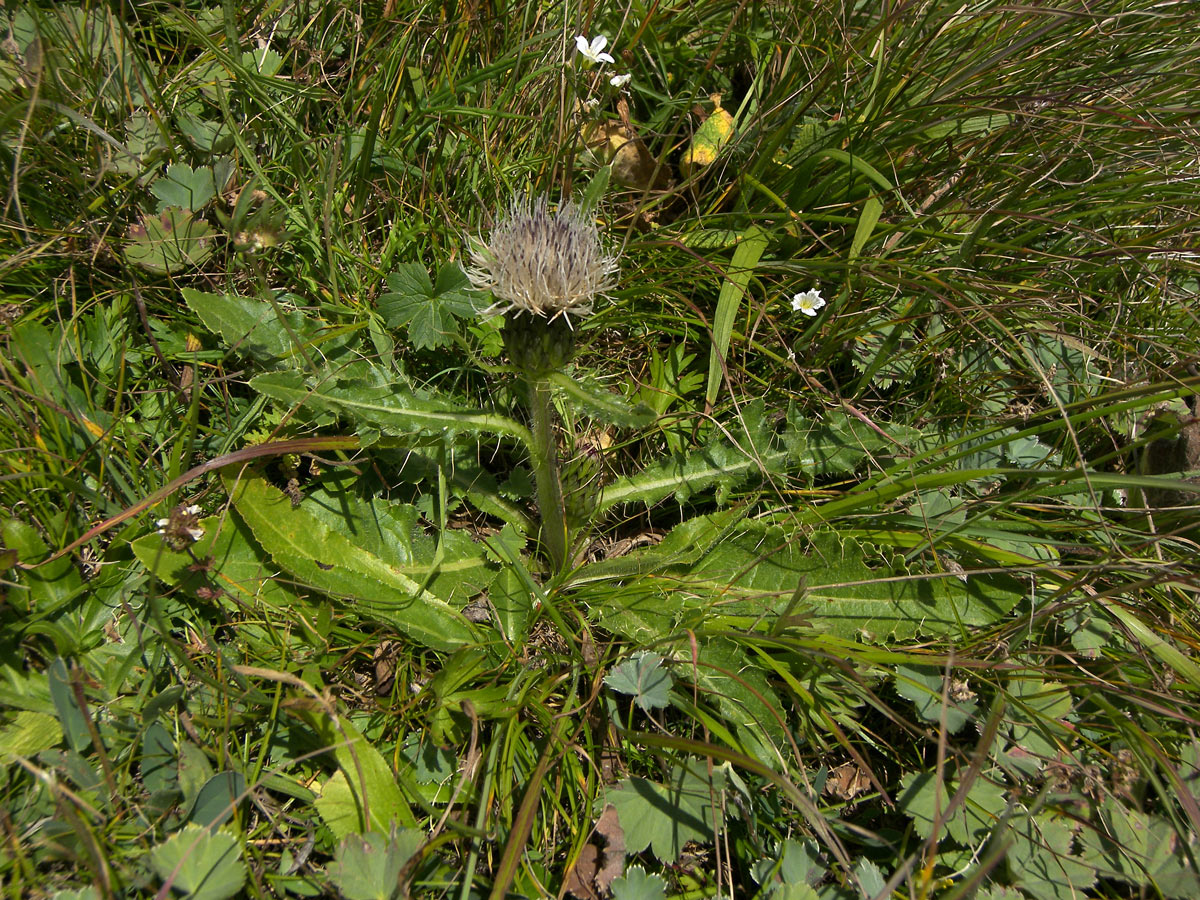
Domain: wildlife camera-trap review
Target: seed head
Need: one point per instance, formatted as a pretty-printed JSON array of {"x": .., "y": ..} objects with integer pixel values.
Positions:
[{"x": 544, "y": 263}]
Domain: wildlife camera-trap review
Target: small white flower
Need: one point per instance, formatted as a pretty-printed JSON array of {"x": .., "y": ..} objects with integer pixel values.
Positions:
[
  {"x": 808, "y": 302},
  {"x": 184, "y": 520},
  {"x": 594, "y": 51},
  {"x": 619, "y": 81}
]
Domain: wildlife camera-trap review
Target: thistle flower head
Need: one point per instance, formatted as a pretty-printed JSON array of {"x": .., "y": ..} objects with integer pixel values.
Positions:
[{"x": 544, "y": 263}]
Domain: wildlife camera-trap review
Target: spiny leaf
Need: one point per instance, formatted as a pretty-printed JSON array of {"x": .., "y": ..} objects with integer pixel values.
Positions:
[
  {"x": 600, "y": 403},
  {"x": 380, "y": 402},
  {"x": 720, "y": 465},
  {"x": 332, "y": 562}
]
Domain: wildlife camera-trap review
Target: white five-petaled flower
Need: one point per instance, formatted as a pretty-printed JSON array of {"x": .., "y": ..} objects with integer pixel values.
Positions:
[
  {"x": 544, "y": 263},
  {"x": 808, "y": 302},
  {"x": 594, "y": 50},
  {"x": 619, "y": 81}
]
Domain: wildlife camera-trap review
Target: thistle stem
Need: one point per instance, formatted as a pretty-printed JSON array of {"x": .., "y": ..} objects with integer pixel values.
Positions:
[{"x": 545, "y": 473}]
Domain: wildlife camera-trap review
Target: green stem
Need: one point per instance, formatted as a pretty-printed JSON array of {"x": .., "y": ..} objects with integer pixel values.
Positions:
[{"x": 545, "y": 473}]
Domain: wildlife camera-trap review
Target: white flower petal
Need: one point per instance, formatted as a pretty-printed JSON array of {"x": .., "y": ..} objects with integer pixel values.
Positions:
[
  {"x": 619, "y": 81},
  {"x": 593, "y": 51},
  {"x": 808, "y": 302}
]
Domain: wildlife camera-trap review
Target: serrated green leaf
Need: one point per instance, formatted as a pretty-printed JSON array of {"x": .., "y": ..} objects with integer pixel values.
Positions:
[
  {"x": 800, "y": 863},
  {"x": 1027, "y": 452},
  {"x": 428, "y": 311},
  {"x": 870, "y": 879},
  {"x": 1141, "y": 849},
  {"x": 1042, "y": 862},
  {"x": 1037, "y": 713},
  {"x": 171, "y": 241},
  {"x": 451, "y": 565},
  {"x": 201, "y": 864},
  {"x": 636, "y": 884},
  {"x": 754, "y": 570},
  {"x": 924, "y": 799},
  {"x": 840, "y": 443},
  {"x": 664, "y": 817},
  {"x": 923, "y": 686},
  {"x": 335, "y": 564},
  {"x": 847, "y": 598},
  {"x": 682, "y": 546},
  {"x": 431, "y": 764},
  {"x": 711, "y": 239},
  {"x": 643, "y": 678},
  {"x": 188, "y": 188},
  {"x": 368, "y": 866},
  {"x": 720, "y": 465}
]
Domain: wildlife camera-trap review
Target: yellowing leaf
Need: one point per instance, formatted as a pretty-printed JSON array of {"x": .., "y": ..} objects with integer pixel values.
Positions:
[{"x": 708, "y": 140}]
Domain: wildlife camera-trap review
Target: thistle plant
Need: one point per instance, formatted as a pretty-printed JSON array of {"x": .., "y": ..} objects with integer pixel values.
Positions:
[{"x": 544, "y": 269}]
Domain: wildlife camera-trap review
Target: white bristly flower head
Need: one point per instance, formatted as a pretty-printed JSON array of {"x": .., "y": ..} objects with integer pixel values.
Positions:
[
  {"x": 593, "y": 50},
  {"x": 544, "y": 263},
  {"x": 809, "y": 302}
]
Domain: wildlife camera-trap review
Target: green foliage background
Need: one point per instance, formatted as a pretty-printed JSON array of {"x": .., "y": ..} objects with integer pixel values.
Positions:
[{"x": 894, "y": 600}]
